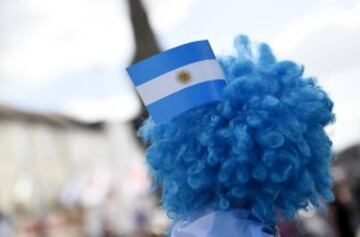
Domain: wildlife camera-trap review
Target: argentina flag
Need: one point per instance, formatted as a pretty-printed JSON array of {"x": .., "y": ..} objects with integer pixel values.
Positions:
[{"x": 178, "y": 79}]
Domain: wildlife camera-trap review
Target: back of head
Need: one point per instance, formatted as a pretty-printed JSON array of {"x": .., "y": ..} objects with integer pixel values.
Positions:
[{"x": 263, "y": 147}]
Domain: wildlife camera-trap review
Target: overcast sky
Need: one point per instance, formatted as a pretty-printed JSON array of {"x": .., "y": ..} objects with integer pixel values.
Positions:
[{"x": 69, "y": 56}]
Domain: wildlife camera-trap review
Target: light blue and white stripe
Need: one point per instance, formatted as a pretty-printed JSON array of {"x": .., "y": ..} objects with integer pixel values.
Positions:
[
  {"x": 230, "y": 223},
  {"x": 165, "y": 85},
  {"x": 165, "y": 97}
]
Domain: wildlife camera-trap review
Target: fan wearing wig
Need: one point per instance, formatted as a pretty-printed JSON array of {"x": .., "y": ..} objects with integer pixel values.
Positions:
[{"x": 253, "y": 153}]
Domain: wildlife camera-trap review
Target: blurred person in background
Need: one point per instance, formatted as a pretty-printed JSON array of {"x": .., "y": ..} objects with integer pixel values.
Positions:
[
  {"x": 5, "y": 225},
  {"x": 341, "y": 215}
]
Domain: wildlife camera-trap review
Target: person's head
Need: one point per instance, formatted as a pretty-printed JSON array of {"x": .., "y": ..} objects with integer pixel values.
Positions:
[{"x": 263, "y": 147}]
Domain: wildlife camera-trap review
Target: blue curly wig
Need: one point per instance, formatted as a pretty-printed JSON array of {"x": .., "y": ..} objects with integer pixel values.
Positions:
[{"x": 262, "y": 148}]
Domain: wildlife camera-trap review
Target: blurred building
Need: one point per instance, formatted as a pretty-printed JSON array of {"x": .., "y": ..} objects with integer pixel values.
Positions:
[{"x": 51, "y": 163}]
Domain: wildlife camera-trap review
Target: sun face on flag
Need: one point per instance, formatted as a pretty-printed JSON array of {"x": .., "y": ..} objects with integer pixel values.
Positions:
[{"x": 183, "y": 76}]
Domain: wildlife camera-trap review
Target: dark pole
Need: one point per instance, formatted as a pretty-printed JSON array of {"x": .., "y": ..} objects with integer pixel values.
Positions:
[{"x": 145, "y": 42}]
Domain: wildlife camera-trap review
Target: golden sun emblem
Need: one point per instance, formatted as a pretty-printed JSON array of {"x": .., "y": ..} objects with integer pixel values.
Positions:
[{"x": 183, "y": 76}]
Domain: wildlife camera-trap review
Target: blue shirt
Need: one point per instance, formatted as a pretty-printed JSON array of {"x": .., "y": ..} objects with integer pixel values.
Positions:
[{"x": 230, "y": 223}]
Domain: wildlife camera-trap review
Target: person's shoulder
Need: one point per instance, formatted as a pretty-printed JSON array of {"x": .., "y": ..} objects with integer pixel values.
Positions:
[{"x": 230, "y": 223}]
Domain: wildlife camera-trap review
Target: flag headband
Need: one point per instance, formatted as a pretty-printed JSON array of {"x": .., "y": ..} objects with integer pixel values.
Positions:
[{"x": 178, "y": 79}]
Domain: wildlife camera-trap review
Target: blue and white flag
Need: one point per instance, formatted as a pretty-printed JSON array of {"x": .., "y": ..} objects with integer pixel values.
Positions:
[
  {"x": 230, "y": 223},
  {"x": 178, "y": 79}
]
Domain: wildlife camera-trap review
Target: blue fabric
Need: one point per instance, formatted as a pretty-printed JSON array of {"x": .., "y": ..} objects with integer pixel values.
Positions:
[
  {"x": 232, "y": 223},
  {"x": 188, "y": 98},
  {"x": 171, "y": 59}
]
